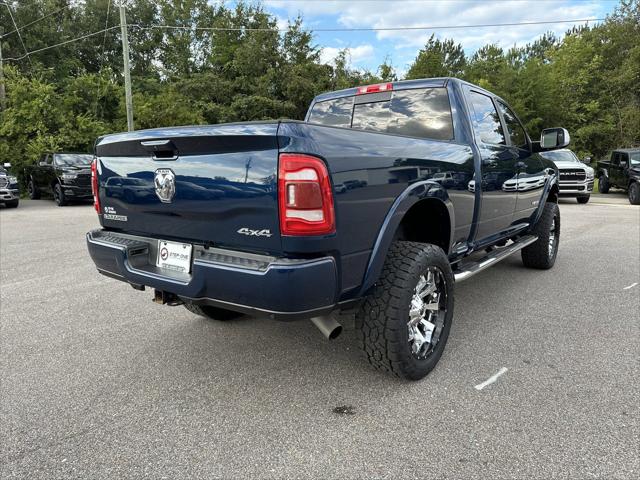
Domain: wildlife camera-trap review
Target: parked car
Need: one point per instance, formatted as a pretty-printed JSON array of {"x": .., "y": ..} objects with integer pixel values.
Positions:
[
  {"x": 576, "y": 178},
  {"x": 301, "y": 251},
  {"x": 65, "y": 176},
  {"x": 9, "y": 191},
  {"x": 622, "y": 170}
]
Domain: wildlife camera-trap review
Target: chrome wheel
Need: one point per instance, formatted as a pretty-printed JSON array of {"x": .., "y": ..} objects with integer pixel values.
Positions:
[
  {"x": 427, "y": 312},
  {"x": 552, "y": 237}
]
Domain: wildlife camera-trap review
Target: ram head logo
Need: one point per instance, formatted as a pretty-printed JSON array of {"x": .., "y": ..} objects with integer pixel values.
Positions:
[{"x": 165, "y": 182}]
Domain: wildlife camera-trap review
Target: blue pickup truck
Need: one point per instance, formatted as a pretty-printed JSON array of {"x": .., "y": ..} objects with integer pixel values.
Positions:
[{"x": 378, "y": 203}]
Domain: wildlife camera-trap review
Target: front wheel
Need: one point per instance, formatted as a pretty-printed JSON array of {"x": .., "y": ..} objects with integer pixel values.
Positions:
[
  {"x": 12, "y": 203},
  {"x": 583, "y": 199},
  {"x": 603, "y": 184},
  {"x": 404, "y": 323},
  {"x": 58, "y": 195},
  {"x": 542, "y": 253},
  {"x": 634, "y": 193}
]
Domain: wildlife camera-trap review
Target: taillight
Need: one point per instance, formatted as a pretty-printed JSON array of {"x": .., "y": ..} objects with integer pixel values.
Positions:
[
  {"x": 380, "y": 87},
  {"x": 94, "y": 185},
  {"x": 304, "y": 196}
]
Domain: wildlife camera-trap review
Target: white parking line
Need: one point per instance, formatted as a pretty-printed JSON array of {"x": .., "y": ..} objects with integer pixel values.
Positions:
[
  {"x": 491, "y": 379},
  {"x": 630, "y": 286}
]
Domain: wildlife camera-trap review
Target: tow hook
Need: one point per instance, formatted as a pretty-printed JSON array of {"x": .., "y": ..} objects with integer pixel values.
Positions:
[{"x": 165, "y": 298}]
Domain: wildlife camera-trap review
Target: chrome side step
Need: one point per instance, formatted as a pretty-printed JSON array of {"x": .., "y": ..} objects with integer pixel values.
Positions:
[{"x": 471, "y": 268}]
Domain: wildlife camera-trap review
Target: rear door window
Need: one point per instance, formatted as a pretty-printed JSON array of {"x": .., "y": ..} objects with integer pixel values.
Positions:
[
  {"x": 485, "y": 119},
  {"x": 334, "y": 113},
  {"x": 423, "y": 113}
]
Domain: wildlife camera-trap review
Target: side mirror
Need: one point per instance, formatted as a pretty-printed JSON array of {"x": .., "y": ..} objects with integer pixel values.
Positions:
[
  {"x": 586, "y": 160},
  {"x": 43, "y": 164},
  {"x": 6, "y": 165},
  {"x": 554, "y": 138}
]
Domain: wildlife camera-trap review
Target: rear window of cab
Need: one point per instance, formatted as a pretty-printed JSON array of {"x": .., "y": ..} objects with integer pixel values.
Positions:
[{"x": 422, "y": 113}]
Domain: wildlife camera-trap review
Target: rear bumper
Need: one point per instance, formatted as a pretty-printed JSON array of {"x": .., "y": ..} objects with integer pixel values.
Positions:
[
  {"x": 281, "y": 288},
  {"x": 7, "y": 194}
]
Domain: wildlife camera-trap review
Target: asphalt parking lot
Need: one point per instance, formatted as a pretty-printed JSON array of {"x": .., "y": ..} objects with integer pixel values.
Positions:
[{"x": 99, "y": 382}]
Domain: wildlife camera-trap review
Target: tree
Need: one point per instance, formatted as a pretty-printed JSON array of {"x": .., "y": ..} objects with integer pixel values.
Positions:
[{"x": 438, "y": 59}]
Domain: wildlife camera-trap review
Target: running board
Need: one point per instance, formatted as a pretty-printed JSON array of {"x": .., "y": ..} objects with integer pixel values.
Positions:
[{"x": 471, "y": 268}]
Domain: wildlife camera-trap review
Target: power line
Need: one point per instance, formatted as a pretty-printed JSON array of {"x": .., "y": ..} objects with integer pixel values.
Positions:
[
  {"x": 18, "y": 30},
  {"x": 35, "y": 21},
  {"x": 337, "y": 29},
  {"x": 367, "y": 29},
  {"x": 64, "y": 43}
]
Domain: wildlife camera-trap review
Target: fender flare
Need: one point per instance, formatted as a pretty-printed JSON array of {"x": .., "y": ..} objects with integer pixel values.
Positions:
[
  {"x": 553, "y": 182},
  {"x": 424, "y": 190}
]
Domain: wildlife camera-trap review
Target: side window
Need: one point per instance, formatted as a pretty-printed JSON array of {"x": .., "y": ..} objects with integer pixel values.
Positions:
[
  {"x": 616, "y": 159},
  {"x": 422, "y": 113},
  {"x": 514, "y": 129},
  {"x": 485, "y": 119},
  {"x": 624, "y": 160},
  {"x": 334, "y": 113}
]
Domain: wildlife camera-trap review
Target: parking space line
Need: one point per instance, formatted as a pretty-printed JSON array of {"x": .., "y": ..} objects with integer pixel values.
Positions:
[
  {"x": 630, "y": 286},
  {"x": 491, "y": 379}
]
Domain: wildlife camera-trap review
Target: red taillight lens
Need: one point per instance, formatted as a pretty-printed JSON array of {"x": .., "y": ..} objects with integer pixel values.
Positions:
[
  {"x": 304, "y": 196},
  {"x": 94, "y": 185},
  {"x": 380, "y": 87}
]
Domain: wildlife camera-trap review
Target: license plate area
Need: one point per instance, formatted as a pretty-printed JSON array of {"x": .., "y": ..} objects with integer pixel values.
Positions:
[{"x": 174, "y": 256}]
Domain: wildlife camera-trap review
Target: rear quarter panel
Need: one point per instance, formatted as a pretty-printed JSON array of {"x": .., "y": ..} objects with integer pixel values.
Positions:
[{"x": 376, "y": 169}]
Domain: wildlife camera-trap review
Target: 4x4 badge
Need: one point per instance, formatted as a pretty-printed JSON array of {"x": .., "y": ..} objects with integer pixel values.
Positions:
[{"x": 255, "y": 233}]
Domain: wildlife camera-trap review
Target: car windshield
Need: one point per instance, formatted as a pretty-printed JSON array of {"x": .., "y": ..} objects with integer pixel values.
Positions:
[
  {"x": 635, "y": 158},
  {"x": 73, "y": 159},
  {"x": 560, "y": 156}
]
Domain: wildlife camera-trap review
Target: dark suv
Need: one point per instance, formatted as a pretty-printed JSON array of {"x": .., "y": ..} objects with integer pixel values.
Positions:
[
  {"x": 9, "y": 193},
  {"x": 66, "y": 176}
]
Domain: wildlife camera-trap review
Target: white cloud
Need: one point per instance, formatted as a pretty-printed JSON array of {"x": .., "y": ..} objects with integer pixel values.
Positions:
[
  {"x": 416, "y": 13},
  {"x": 355, "y": 55}
]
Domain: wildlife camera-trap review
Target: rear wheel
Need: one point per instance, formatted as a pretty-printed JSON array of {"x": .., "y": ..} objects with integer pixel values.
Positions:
[
  {"x": 404, "y": 323},
  {"x": 603, "y": 184},
  {"x": 542, "y": 253},
  {"x": 34, "y": 193},
  {"x": 58, "y": 195},
  {"x": 213, "y": 313},
  {"x": 634, "y": 193},
  {"x": 583, "y": 198}
]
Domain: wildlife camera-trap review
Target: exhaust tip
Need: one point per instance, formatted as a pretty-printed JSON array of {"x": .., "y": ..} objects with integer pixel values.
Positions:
[
  {"x": 335, "y": 333},
  {"x": 328, "y": 325}
]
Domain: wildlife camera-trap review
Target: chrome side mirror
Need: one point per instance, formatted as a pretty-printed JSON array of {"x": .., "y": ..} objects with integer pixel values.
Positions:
[
  {"x": 554, "y": 138},
  {"x": 6, "y": 165}
]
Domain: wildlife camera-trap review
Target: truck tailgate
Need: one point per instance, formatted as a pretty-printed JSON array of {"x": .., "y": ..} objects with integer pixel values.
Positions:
[{"x": 210, "y": 184}]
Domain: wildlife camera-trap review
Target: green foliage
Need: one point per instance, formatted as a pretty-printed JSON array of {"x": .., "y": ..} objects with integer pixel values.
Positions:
[{"x": 65, "y": 97}]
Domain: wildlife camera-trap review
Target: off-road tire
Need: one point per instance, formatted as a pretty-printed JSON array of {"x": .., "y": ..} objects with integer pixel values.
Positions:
[
  {"x": 34, "y": 193},
  {"x": 58, "y": 195},
  {"x": 12, "y": 203},
  {"x": 382, "y": 320},
  {"x": 583, "y": 198},
  {"x": 537, "y": 255},
  {"x": 634, "y": 193},
  {"x": 603, "y": 184},
  {"x": 212, "y": 313}
]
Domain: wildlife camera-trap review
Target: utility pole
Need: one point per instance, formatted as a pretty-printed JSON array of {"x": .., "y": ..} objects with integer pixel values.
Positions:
[
  {"x": 3, "y": 97},
  {"x": 127, "y": 74}
]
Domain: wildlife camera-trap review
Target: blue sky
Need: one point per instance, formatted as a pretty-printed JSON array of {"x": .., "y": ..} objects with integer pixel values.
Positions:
[{"x": 368, "y": 49}]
